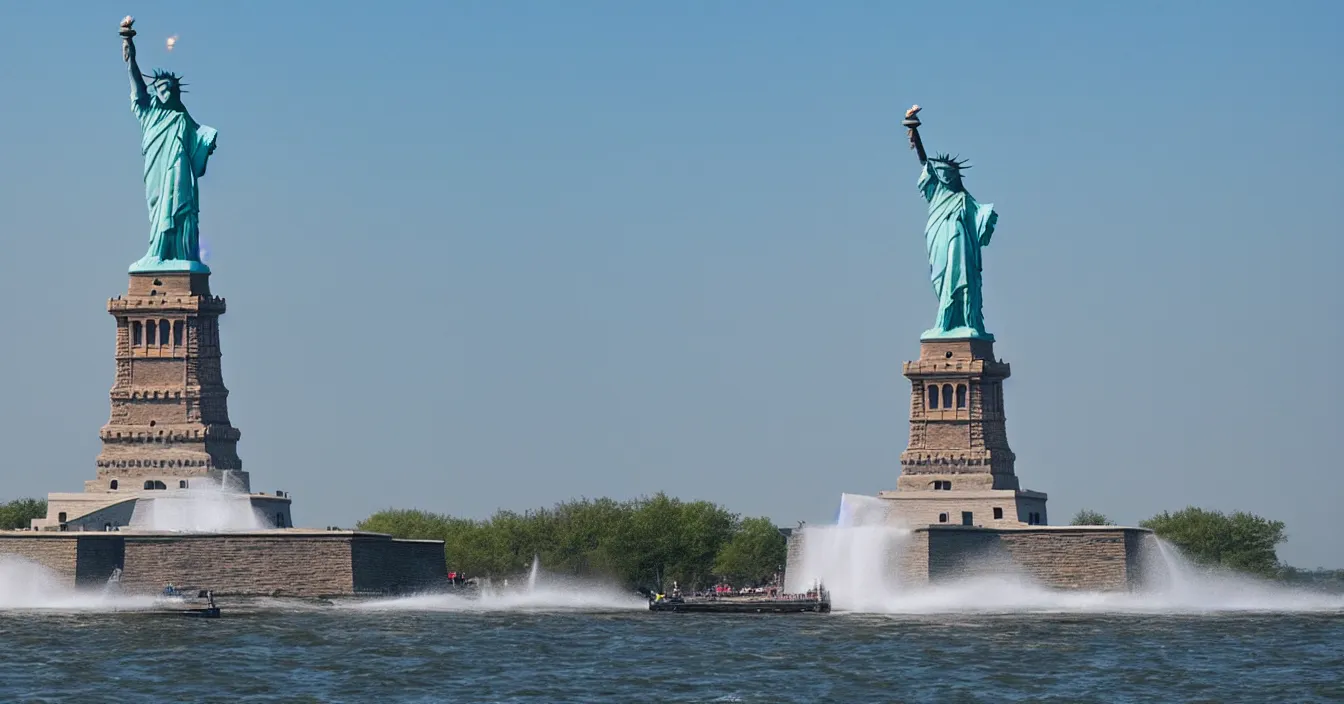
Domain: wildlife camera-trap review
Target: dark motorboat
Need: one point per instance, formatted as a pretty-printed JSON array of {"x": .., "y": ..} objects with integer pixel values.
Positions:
[
  {"x": 816, "y": 601},
  {"x": 173, "y": 601},
  {"x": 193, "y": 603}
]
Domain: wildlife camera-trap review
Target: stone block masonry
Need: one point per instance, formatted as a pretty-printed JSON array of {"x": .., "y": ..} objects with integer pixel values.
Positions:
[
  {"x": 957, "y": 467},
  {"x": 169, "y": 426},
  {"x": 54, "y": 551},
  {"x": 380, "y": 566},
  {"x": 292, "y": 562},
  {"x": 95, "y": 560},
  {"x": 1085, "y": 558},
  {"x": 958, "y": 493},
  {"x": 251, "y": 564},
  {"x": 1090, "y": 558},
  {"x": 78, "y": 560},
  {"x": 170, "y": 418}
]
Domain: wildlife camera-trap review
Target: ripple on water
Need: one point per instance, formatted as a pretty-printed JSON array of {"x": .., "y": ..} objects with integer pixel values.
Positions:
[
  {"x": 540, "y": 651},
  {"x": 355, "y": 655}
]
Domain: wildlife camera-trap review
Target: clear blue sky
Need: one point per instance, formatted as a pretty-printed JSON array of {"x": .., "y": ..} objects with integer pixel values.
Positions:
[{"x": 500, "y": 254}]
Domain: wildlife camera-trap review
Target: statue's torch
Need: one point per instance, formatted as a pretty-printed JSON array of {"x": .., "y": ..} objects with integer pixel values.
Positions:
[
  {"x": 126, "y": 33},
  {"x": 912, "y": 123}
]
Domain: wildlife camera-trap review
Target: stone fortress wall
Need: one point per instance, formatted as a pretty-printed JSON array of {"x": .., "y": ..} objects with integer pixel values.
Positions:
[
  {"x": 292, "y": 562},
  {"x": 1091, "y": 558}
]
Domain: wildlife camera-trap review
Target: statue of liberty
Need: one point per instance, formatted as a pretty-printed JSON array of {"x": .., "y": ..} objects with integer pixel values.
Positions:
[
  {"x": 957, "y": 229},
  {"x": 176, "y": 149}
]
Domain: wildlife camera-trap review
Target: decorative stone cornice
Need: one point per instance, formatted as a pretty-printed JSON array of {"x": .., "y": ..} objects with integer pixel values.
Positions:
[
  {"x": 958, "y": 458},
  {"x": 157, "y": 463},
  {"x": 190, "y": 393},
  {"x": 970, "y": 368},
  {"x": 156, "y": 305},
  {"x": 128, "y": 434}
]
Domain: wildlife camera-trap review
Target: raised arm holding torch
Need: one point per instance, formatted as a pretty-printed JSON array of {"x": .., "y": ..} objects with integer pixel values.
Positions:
[{"x": 912, "y": 122}]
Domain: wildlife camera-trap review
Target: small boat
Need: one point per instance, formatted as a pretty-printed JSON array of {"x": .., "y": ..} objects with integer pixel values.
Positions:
[
  {"x": 192, "y": 603},
  {"x": 173, "y": 601},
  {"x": 814, "y": 601}
]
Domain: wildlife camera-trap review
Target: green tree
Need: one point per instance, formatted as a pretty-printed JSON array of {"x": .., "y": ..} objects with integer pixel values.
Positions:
[
  {"x": 703, "y": 529},
  {"x": 1088, "y": 517},
  {"x": 1319, "y": 578},
  {"x": 668, "y": 540},
  {"x": 406, "y": 523},
  {"x": 470, "y": 546},
  {"x": 1240, "y": 541},
  {"x": 20, "y": 513},
  {"x": 582, "y": 535},
  {"x": 754, "y": 554},
  {"x": 650, "y": 541}
]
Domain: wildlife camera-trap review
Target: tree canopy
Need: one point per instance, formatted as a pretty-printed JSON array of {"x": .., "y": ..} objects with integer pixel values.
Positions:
[
  {"x": 650, "y": 541},
  {"x": 1088, "y": 517},
  {"x": 20, "y": 513},
  {"x": 1240, "y": 541},
  {"x": 755, "y": 553}
]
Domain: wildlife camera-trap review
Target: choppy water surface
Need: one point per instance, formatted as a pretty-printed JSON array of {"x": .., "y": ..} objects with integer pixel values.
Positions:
[
  {"x": 296, "y": 652},
  {"x": 1194, "y": 636}
]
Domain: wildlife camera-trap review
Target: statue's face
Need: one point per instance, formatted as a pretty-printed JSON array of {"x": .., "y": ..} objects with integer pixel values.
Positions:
[
  {"x": 947, "y": 173},
  {"x": 166, "y": 90}
]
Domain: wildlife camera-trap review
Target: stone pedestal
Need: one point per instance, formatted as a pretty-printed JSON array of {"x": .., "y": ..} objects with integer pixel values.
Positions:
[
  {"x": 169, "y": 428},
  {"x": 958, "y": 468},
  {"x": 170, "y": 415}
]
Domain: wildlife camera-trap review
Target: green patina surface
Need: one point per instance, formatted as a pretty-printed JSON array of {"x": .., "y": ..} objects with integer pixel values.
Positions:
[
  {"x": 176, "y": 150},
  {"x": 957, "y": 229}
]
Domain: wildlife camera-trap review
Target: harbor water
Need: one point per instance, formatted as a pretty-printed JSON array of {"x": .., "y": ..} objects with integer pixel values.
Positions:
[{"x": 540, "y": 639}]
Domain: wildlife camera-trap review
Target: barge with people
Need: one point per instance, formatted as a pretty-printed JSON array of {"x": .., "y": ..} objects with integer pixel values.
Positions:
[{"x": 816, "y": 600}]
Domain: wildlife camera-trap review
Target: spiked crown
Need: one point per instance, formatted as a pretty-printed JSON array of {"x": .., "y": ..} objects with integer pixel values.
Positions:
[
  {"x": 167, "y": 76},
  {"x": 955, "y": 162}
]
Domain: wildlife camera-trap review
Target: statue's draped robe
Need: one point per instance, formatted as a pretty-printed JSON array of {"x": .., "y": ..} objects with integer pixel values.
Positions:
[
  {"x": 176, "y": 150},
  {"x": 958, "y": 227}
]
